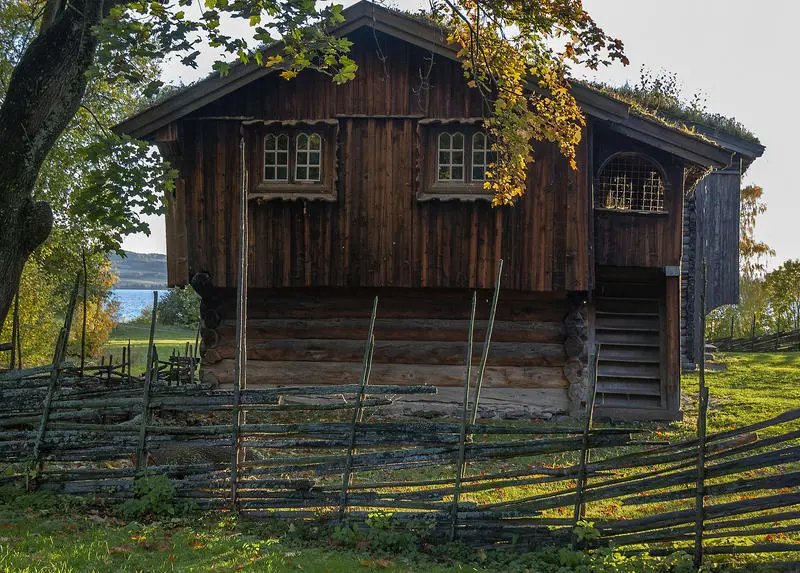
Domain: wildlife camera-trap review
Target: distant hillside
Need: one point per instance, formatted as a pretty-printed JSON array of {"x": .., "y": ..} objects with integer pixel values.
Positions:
[{"x": 140, "y": 270}]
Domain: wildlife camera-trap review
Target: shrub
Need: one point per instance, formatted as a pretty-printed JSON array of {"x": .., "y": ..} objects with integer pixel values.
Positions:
[
  {"x": 179, "y": 307},
  {"x": 153, "y": 497}
]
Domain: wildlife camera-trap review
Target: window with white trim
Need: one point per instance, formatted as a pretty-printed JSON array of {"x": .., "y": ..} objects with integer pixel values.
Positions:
[
  {"x": 482, "y": 155},
  {"x": 296, "y": 161},
  {"x": 308, "y": 157},
  {"x": 455, "y": 158},
  {"x": 450, "y": 166},
  {"x": 276, "y": 157}
]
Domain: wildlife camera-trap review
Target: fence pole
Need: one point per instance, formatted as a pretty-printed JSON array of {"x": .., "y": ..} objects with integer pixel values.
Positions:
[
  {"x": 462, "y": 440},
  {"x": 240, "y": 367},
  {"x": 366, "y": 368},
  {"x": 14, "y": 332},
  {"x": 141, "y": 449},
  {"x": 58, "y": 359},
  {"x": 85, "y": 297},
  {"x": 486, "y": 342},
  {"x": 580, "y": 506},
  {"x": 701, "y": 432}
]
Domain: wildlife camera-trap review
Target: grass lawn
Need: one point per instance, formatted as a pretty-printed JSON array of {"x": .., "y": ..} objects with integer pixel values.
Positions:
[
  {"x": 41, "y": 533},
  {"x": 167, "y": 339}
]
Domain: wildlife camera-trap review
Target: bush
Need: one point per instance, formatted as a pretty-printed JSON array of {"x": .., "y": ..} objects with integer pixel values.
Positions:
[
  {"x": 153, "y": 497},
  {"x": 179, "y": 307}
]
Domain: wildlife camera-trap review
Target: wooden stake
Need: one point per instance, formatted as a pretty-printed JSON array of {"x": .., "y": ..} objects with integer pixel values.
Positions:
[
  {"x": 15, "y": 333},
  {"x": 240, "y": 366},
  {"x": 462, "y": 439},
  {"x": 85, "y": 298},
  {"x": 58, "y": 359},
  {"x": 701, "y": 431},
  {"x": 486, "y": 342},
  {"x": 366, "y": 368},
  {"x": 141, "y": 453},
  {"x": 580, "y": 505},
  {"x": 370, "y": 337}
]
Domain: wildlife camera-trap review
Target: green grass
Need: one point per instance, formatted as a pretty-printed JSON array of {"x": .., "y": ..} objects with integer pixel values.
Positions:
[
  {"x": 754, "y": 387},
  {"x": 167, "y": 339},
  {"x": 43, "y": 536}
]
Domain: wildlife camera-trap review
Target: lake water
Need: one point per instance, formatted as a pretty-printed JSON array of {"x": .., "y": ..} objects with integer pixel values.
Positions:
[{"x": 133, "y": 301}]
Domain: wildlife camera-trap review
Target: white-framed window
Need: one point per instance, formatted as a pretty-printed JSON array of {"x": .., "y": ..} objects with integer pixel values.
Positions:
[
  {"x": 276, "y": 157},
  {"x": 482, "y": 155},
  {"x": 450, "y": 164},
  {"x": 308, "y": 157}
]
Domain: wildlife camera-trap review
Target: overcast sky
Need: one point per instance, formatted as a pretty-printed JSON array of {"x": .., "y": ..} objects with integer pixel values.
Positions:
[{"x": 738, "y": 53}]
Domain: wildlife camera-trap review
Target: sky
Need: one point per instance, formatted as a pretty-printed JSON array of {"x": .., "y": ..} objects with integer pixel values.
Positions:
[{"x": 739, "y": 54}]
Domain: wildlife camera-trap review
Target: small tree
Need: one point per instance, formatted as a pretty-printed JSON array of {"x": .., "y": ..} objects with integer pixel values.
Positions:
[
  {"x": 783, "y": 286},
  {"x": 179, "y": 307}
]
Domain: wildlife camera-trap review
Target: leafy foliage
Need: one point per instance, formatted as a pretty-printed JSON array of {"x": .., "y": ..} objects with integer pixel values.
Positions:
[
  {"x": 752, "y": 252},
  {"x": 506, "y": 48},
  {"x": 153, "y": 497},
  {"x": 47, "y": 280},
  {"x": 783, "y": 290},
  {"x": 179, "y": 307}
]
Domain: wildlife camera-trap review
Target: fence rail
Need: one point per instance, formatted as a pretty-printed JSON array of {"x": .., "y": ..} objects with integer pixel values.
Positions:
[{"x": 777, "y": 342}]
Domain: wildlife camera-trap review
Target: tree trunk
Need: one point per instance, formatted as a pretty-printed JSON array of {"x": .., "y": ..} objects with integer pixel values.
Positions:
[{"x": 44, "y": 94}]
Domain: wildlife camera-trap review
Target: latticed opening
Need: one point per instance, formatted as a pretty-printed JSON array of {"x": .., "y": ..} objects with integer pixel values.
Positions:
[{"x": 630, "y": 182}]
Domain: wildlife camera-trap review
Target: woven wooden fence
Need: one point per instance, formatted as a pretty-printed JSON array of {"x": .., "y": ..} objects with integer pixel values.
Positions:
[
  {"x": 302, "y": 461},
  {"x": 311, "y": 451}
]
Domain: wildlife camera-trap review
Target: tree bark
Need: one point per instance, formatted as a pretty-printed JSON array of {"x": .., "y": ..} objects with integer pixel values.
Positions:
[{"x": 44, "y": 93}]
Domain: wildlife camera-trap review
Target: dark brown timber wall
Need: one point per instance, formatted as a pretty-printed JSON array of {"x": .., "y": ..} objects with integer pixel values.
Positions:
[
  {"x": 625, "y": 239},
  {"x": 317, "y": 336},
  {"x": 376, "y": 232}
]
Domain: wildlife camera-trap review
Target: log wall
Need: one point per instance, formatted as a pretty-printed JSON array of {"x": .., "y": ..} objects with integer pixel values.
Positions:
[
  {"x": 626, "y": 239},
  {"x": 317, "y": 336},
  {"x": 376, "y": 232}
]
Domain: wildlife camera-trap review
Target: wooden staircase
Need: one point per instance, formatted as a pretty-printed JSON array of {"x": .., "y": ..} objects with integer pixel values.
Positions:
[{"x": 630, "y": 372}]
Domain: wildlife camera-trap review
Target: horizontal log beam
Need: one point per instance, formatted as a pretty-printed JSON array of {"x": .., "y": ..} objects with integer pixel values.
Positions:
[
  {"x": 399, "y": 352},
  {"x": 298, "y": 373}
]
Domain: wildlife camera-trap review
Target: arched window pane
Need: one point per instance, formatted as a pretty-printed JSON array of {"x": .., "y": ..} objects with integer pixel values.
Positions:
[
  {"x": 276, "y": 157},
  {"x": 630, "y": 182},
  {"x": 308, "y": 158},
  {"x": 450, "y": 156},
  {"x": 482, "y": 156}
]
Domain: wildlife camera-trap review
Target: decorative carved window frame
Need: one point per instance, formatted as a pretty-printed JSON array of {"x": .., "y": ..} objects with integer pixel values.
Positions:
[
  {"x": 429, "y": 187},
  {"x": 665, "y": 183},
  {"x": 293, "y": 189}
]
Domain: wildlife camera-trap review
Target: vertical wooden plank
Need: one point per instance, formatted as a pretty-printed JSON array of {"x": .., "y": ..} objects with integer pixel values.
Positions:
[{"x": 672, "y": 352}]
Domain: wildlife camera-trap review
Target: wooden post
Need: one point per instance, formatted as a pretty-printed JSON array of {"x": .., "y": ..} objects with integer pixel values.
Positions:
[
  {"x": 58, "y": 359},
  {"x": 196, "y": 347},
  {"x": 141, "y": 450},
  {"x": 240, "y": 366},
  {"x": 85, "y": 298},
  {"x": 701, "y": 433},
  {"x": 130, "y": 360},
  {"x": 15, "y": 333},
  {"x": 366, "y": 368},
  {"x": 369, "y": 337},
  {"x": 580, "y": 506},
  {"x": 486, "y": 342},
  {"x": 462, "y": 439},
  {"x": 753, "y": 334}
]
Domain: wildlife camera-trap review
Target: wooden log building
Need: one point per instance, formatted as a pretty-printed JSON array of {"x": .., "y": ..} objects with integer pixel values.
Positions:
[{"x": 375, "y": 187}]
